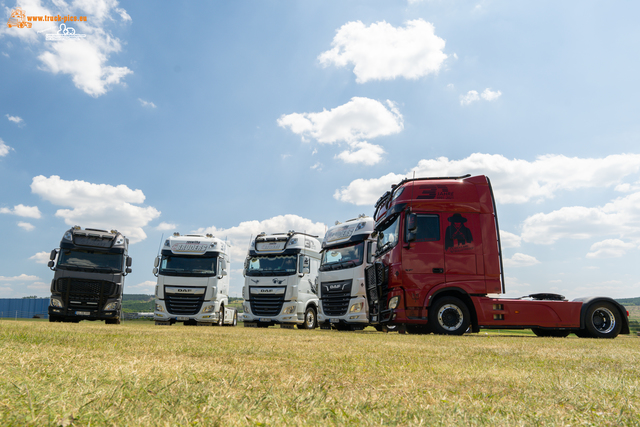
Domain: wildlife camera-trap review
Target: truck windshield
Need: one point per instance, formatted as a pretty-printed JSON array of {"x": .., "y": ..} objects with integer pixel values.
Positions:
[
  {"x": 344, "y": 256},
  {"x": 87, "y": 260},
  {"x": 388, "y": 236},
  {"x": 282, "y": 265},
  {"x": 189, "y": 265}
]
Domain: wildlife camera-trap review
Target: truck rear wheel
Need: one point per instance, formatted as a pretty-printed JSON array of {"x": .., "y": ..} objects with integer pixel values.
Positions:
[
  {"x": 601, "y": 320},
  {"x": 449, "y": 316},
  {"x": 309, "y": 319},
  {"x": 234, "y": 321}
]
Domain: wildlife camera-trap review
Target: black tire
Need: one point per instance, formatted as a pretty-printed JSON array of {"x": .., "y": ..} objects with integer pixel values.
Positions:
[
  {"x": 112, "y": 322},
  {"x": 550, "y": 333},
  {"x": 449, "y": 316},
  {"x": 310, "y": 319},
  {"x": 602, "y": 320},
  {"x": 234, "y": 322},
  {"x": 55, "y": 319},
  {"x": 221, "y": 318}
]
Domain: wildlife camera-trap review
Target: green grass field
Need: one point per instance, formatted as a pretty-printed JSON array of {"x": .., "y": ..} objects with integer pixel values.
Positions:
[{"x": 137, "y": 373}]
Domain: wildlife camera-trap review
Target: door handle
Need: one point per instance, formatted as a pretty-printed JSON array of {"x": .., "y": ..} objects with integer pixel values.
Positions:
[{"x": 438, "y": 270}]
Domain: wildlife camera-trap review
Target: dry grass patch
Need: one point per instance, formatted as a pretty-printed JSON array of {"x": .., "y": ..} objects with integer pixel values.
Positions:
[{"x": 141, "y": 374}]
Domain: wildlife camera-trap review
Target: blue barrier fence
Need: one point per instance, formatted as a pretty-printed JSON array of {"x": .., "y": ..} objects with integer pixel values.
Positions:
[{"x": 24, "y": 308}]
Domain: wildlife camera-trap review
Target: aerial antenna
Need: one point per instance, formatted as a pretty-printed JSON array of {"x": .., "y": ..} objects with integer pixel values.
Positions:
[{"x": 160, "y": 245}]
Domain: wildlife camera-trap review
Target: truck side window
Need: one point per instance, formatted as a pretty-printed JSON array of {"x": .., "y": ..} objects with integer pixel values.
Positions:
[{"x": 428, "y": 229}]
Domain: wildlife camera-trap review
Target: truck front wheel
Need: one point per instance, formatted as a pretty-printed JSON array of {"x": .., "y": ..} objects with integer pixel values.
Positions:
[
  {"x": 601, "y": 320},
  {"x": 309, "y": 319},
  {"x": 449, "y": 316},
  {"x": 221, "y": 318}
]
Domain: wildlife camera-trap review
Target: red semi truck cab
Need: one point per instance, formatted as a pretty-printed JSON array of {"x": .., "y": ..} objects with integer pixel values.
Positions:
[{"x": 439, "y": 258}]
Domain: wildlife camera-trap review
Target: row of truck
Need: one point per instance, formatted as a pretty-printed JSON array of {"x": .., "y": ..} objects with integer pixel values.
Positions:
[{"x": 428, "y": 261}]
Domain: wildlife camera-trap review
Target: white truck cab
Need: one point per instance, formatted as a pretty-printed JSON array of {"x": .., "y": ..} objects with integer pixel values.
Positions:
[
  {"x": 347, "y": 250},
  {"x": 193, "y": 283},
  {"x": 280, "y": 281}
]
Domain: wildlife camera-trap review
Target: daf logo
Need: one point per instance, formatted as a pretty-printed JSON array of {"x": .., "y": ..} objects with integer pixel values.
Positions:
[
  {"x": 266, "y": 291},
  {"x": 335, "y": 286},
  {"x": 184, "y": 290}
]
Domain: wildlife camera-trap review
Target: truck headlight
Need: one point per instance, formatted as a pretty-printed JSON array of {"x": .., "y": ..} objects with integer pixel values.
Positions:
[
  {"x": 55, "y": 302},
  {"x": 209, "y": 309},
  {"x": 110, "y": 306},
  {"x": 289, "y": 310},
  {"x": 356, "y": 308},
  {"x": 159, "y": 307},
  {"x": 393, "y": 302}
]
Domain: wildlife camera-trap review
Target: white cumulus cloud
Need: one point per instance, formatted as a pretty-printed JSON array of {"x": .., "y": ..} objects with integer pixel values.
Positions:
[
  {"x": 86, "y": 59},
  {"x": 166, "y": 226},
  {"x": 619, "y": 218},
  {"x": 473, "y": 95},
  {"x": 358, "y": 119},
  {"x": 147, "y": 287},
  {"x": 97, "y": 205},
  {"x": 239, "y": 236},
  {"x": 24, "y": 211},
  {"x": 520, "y": 260},
  {"x": 26, "y": 226},
  {"x": 513, "y": 180},
  {"x": 490, "y": 95},
  {"x": 381, "y": 51},
  {"x": 15, "y": 119},
  {"x": 362, "y": 152},
  {"x": 4, "y": 148},
  {"x": 146, "y": 103},
  {"x": 354, "y": 122},
  {"x": 510, "y": 240},
  {"x": 470, "y": 97},
  {"x": 610, "y": 248},
  {"x": 41, "y": 257},
  {"x": 21, "y": 278}
]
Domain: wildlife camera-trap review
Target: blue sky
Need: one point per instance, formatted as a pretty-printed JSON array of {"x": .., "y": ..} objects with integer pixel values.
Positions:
[{"x": 249, "y": 116}]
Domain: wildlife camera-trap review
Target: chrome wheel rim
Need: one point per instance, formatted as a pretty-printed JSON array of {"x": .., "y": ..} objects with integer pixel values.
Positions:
[
  {"x": 603, "y": 320},
  {"x": 310, "y": 319},
  {"x": 450, "y": 317}
]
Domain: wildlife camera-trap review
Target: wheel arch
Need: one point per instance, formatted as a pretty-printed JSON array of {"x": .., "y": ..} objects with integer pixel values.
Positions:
[
  {"x": 590, "y": 301},
  {"x": 462, "y": 295}
]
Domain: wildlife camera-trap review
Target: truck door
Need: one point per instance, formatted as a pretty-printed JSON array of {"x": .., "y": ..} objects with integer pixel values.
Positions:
[
  {"x": 423, "y": 263},
  {"x": 463, "y": 251}
]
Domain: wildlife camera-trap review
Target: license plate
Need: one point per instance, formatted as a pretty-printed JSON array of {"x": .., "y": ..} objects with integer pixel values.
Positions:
[
  {"x": 182, "y": 319},
  {"x": 83, "y": 313},
  {"x": 334, "y": 320},
  {"x": 263, "y": 319}
]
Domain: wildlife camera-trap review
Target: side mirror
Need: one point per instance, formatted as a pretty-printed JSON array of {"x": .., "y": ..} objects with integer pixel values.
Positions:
[
  {"x": 53, "y": 254},
  {"x": 156, "y": 262},
  {"x": 128, "y": 261},
  {"x": 412, "y": 227},
  {"x": 155, "y": 271},
  {"x": 127, "y": 270},
  {"x": 304, "y": 267},
  {"x": 51, "y": 264}
]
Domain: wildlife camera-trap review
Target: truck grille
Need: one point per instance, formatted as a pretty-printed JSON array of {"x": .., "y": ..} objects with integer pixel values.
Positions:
[
  {"x": 183, "y": 304},
  {"x": 88, "y": 294},
  {"x": 377, "y": 290},
  {"x": 266, "y": 305},
  {"x": 336, "y": 297}
]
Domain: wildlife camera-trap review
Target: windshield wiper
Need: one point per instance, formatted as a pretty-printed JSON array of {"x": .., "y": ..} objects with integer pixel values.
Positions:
[{"x": 383, "y": 248}]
